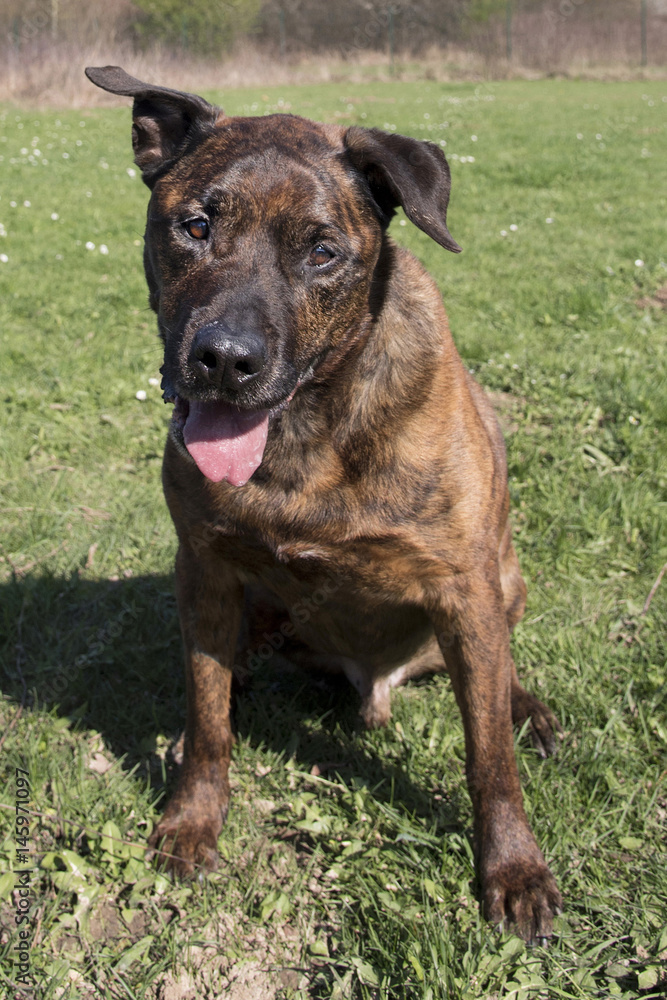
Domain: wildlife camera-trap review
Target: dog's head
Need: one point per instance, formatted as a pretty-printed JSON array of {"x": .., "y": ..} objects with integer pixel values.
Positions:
[{"x": 262, "y": 239}]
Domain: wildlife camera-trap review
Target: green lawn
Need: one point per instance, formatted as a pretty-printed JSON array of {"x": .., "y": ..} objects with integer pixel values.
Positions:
[{"x": 347, "y": 866}]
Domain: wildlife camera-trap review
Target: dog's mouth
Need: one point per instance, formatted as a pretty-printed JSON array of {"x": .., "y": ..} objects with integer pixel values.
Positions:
[{"x": 226, "y": 443}]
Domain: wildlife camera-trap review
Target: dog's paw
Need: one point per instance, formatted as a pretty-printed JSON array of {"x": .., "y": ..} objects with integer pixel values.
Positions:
[
  {"x": 545, "y": 729},
  {"x": 524, "y": 898},
  {"x": 186, "y": 837},
  {"x": 183, "y": 847}
]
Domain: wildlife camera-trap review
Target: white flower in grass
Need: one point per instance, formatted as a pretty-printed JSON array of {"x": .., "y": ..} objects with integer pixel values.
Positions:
[
  {"x": 54, "y": 216},
  {"x": 131, "y": 172},
  {"x": 154, "y": 381},
  {"x": 513, "y": 228},
  {"x": 90, "y": 245},
  {"x": 503, "y": 232},
  {"x": 548, "y": 221},
  {"x": 639, "y": 262},
  {"x": 4, "y": 258},
  {"x": 26, "y": 204},
  {"x": 140, "y": 395},
  {"x": 104, "y": 249}
]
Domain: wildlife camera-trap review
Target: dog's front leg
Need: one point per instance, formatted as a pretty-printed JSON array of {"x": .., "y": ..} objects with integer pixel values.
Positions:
[
  {"x": 517, "y": 887},
  {"x": 210, "y": 602}
]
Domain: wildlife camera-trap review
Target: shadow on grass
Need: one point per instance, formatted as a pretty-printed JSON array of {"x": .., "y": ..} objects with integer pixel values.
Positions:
[{"x": 108, "y": 654}]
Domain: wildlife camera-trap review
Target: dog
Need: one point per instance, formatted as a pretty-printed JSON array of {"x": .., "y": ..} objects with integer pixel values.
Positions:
[{"x": 325, "y": 429}]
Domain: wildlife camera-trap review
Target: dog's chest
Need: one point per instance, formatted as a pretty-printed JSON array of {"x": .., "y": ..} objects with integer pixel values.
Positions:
[{"x": 368, "y": 571}]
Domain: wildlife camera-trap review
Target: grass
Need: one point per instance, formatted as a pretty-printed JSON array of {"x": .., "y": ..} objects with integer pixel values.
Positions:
[{"x": 347, "y": 868}]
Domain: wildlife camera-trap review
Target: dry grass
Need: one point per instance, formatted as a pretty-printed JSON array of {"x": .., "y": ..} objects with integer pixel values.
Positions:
[
  {"x": 549, "y": 41},
  {"x": 49, "y": 74}
]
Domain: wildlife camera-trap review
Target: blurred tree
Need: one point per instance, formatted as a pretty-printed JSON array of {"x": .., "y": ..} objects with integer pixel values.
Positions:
[
  {"x": 482, "y": 10},
  {"x": 360, "y": 25},
  {"x": 205, "y": 25},
  {"x": 24, "y": 22}
]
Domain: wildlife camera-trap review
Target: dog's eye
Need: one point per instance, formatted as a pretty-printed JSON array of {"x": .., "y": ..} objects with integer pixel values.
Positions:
[
  {"x": 197, "y": 228},
  {"x": 320, "y": 256}
]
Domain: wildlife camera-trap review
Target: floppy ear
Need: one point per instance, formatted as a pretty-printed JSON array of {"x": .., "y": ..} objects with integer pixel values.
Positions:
[
  {"x": 407, "y": 172},
  {"x": 164, "y": 121}
]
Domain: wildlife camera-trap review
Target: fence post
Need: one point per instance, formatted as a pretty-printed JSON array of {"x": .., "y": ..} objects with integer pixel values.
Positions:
[
  {"x": 643, "y": 33},
  {"x": 390, "y": 29},
  {"x": 508, "y": 30},
  {"x": 282, "y": 34}
]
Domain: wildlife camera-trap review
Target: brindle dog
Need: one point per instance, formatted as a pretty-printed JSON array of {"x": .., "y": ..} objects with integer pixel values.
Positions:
[{"x": 328, "y": 443}]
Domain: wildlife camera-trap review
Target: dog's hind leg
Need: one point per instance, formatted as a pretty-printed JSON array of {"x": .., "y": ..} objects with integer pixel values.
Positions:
[{"x": 375, "y": 689}]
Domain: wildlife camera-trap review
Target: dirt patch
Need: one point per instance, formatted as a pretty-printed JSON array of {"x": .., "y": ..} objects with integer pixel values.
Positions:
[
  {"x": 105, "y": 923},
  {"x": 252, "y": 982},
  {"x": 181, "y": 987},
  {"x": 656, "y": 301},
  {"x": 240, "y": 961}
]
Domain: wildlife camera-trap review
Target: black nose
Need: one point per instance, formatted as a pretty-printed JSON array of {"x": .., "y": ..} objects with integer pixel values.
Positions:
[{"x": 226, "y": 359}]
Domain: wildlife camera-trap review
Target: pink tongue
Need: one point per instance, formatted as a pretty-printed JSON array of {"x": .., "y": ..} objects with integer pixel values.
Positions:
[{"x": 226, "y": 443}]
